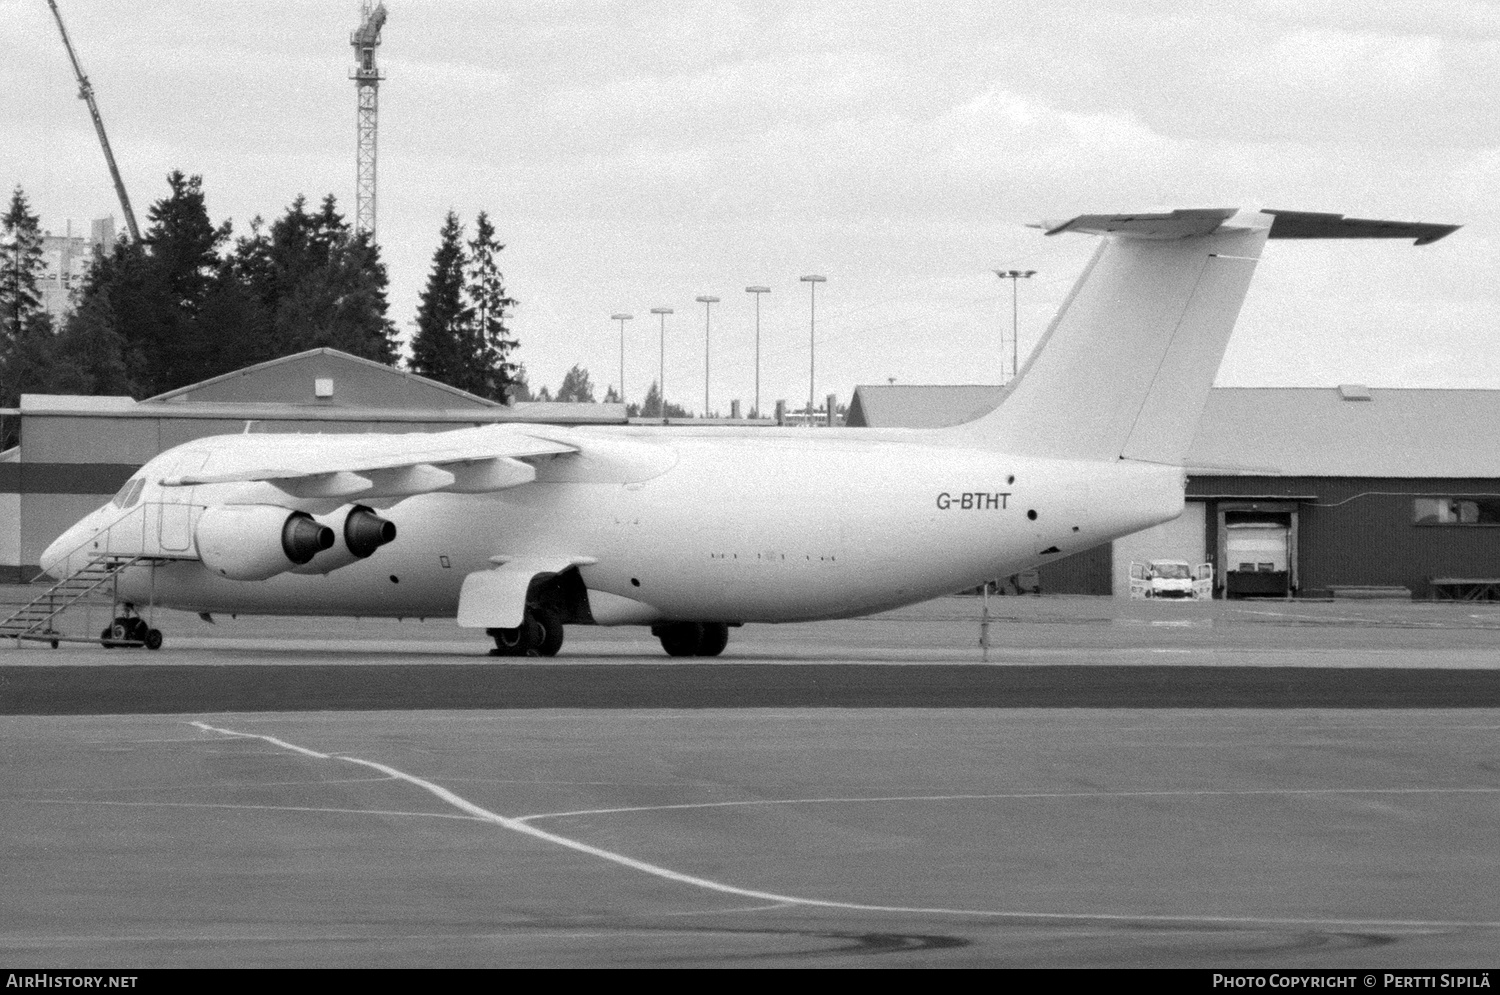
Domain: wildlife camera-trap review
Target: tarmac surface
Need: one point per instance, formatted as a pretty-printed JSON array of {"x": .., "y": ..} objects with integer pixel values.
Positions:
[{"x": 1265, "y": 784}]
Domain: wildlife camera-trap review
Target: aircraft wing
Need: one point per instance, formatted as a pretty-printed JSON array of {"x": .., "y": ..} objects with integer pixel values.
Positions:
[{"x": 466, "y": 461}]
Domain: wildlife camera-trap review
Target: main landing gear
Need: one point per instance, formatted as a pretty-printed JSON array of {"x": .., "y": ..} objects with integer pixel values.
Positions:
[
  {"x": 692, "y": 638},
  {"x": 540, "y": 634},
  {"x": 131, "y": 631}
]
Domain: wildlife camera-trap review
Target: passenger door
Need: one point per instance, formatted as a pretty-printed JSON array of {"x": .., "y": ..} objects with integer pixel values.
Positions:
[{"x": 175, "y": 529}]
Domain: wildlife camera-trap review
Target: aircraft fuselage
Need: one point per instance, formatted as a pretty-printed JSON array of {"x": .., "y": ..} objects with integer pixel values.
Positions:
[{"x": 759, "y": 525}]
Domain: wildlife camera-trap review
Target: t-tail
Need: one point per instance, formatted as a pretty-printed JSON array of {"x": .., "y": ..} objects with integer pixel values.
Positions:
[{"x": 1124, "y": 369}]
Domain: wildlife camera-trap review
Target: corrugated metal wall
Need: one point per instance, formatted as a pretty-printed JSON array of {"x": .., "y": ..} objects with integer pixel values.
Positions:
[
  {"x": 1082, "y": 573},
  {"x": 1360, "y": 531}
]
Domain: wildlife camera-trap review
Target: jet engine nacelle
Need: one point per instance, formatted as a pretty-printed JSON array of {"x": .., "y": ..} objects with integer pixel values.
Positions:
[
  {"x": 360, "y": 533},
  {"x": 257, "y": 541}
]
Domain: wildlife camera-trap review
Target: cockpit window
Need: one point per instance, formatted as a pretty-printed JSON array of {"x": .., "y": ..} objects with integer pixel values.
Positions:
[{"x": 130, "y": 493}]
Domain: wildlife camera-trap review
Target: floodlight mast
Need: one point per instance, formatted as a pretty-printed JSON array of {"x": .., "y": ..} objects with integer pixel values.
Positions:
[
  {"x": 757, "y": 291},
  {"x": 622, "y": 317},
  {"x": 1015, "y": 276},
  {"x": 661, "y": 387},
  {"x": 812, "y": 337},
  {"x": 86, "y": 94},
  {"x": 365, "y": 39},
  {"x": 708, "y": 302}
]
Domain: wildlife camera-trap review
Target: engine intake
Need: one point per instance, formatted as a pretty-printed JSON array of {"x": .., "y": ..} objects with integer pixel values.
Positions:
[
  {"x": 365, "y": 531},
  {"x": 302, "y": 537},
  {"x": 257, "y": 541}
]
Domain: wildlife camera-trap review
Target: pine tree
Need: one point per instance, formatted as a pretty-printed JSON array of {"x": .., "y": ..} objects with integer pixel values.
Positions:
[
  {"x": 444, "y": 318},
  {"x": 576, "y": 386},
  {"x": 21, "y": 242},
  {"x": 520, "y": 387},
  {"x": 318, "y": 283},
  {"x": 611, "y": 396},
  {"x": 651, "y": 406},
  {"x": 90, "y": 342},
  {"x": 493, "y": 370},
  {"x": 160, "y": 295},
  {"x": 28, "y": 348},
  {"x": 184, "y": 243}
]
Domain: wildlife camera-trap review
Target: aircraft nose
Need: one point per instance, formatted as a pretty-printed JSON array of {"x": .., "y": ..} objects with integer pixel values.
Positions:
[
  {"x": 53, "y": 557},
  {"x": 55, "y": 561}
]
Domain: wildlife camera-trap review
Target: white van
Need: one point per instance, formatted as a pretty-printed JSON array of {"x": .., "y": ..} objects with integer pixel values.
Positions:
[{"x": 1172, "y": 579}]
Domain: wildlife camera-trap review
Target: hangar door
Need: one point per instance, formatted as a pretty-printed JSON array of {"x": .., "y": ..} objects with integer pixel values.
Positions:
[
  {"x": 1258, "y": 549},
  {"x": 1183, "y": 538}
]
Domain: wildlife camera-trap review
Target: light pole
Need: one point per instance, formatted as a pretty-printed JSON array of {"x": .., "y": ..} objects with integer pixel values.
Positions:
[
  {"x": 1015, "y": 276},
  {"x": 812, "y": 339},
  {"x": 661, "y": 382},
  {"x": 622, "y": 318},
  {"x": 757, "y": 291},
  {"x": 708, "y": 303}
]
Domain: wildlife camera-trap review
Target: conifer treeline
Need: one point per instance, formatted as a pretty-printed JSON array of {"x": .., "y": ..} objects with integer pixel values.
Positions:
[{"x": 190, "y": 302}]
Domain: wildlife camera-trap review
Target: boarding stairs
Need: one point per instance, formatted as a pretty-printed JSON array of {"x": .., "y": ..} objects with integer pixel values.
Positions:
[
  {"x": 34, "y": 621},
  {"x": 116, "y": 549}
]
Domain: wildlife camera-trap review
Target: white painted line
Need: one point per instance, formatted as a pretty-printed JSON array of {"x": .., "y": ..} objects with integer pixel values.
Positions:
[
  {"x": 520, "y": 825},
  {"x": 1023, "y": 796},
  {"x": 269, "y": 739},
  {"x": 268, "y": 808}
]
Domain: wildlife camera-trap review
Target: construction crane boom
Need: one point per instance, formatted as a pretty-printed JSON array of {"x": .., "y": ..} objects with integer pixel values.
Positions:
[
  {"x": 86, "y": 94},
  {"x": 367, "y": 79}
]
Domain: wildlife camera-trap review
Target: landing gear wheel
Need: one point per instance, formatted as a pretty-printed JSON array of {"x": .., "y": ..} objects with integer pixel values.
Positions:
[
  {"x": 120, "y": 631},
  {"x": 539, "y": 634},
  {"x": 139, "y": 630},
  {"x": 680, "y": 638},
  {"x": 547, "y": 632},
  {"x": 715, "y": 637},
  {"x": 509, "y": 642},
  {"x": 152, "y": 639}
]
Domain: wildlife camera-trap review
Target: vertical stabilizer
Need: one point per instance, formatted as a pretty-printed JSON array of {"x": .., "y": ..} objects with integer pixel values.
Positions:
[{"x": 1125, "y": 368}]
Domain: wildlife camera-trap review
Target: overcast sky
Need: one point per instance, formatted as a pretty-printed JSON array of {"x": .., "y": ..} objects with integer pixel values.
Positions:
[{"x": 638, "y": 155}]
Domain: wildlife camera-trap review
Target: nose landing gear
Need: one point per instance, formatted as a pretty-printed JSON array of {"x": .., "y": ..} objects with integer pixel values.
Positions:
[
  {"x": 130, "y": 631},
  {"x": 539, "y": 634}
]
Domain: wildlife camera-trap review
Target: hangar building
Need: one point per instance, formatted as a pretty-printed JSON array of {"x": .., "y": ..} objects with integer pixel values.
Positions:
[{"x": 1344, "y": 491}]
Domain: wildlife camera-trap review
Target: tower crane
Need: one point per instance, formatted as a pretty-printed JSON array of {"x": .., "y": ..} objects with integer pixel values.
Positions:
[
  {"x": 86, "y": 94},
  {"x": 365, "y": 39}
]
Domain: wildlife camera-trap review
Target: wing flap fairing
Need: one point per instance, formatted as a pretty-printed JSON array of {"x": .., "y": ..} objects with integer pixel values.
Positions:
[{"x": 469, "y": 461}]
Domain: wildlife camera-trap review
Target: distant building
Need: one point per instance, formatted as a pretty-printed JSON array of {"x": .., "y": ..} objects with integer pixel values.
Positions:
[{"x": 66, "y": 261}]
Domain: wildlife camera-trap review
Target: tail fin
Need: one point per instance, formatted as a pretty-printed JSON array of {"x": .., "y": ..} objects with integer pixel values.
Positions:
[{"x": 1124, "y": 370}]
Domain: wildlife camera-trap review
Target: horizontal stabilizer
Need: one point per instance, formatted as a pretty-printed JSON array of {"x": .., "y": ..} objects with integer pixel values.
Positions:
[
  {"x": 1284, "y": 224},
  {"x": 1173, "y": 224},
  {"x": 1307, "y": 224},
  {"x": 1124, "y": 369}
]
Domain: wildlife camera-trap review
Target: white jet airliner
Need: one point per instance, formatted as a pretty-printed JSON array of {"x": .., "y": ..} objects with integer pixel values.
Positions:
[{"x": 520, "y": 529}]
